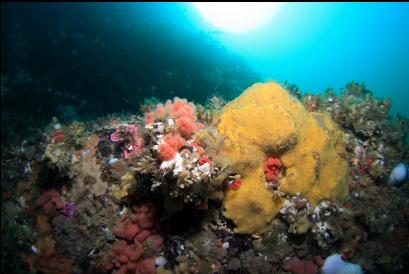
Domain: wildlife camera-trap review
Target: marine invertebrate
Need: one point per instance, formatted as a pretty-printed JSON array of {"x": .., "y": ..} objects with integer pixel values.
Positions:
[
  {"x": 69, "y": 209},
  {"x": 209, "y": 112},
  {"x": 138, "y": 233},
  {"x": 170, "y": 146},
  {"x": 59, "y": 137},
  {"x": 179, "y": 166},
  {"x": 203, "y": 160},
  {"x": 235, "y": 184},
  {"x": 88, "y": 181},
  {"x": 131, "y": 137},
  {"x": 334, "y": 264},
  {"x": 272, "y": 169},
  {"x": 181, "y": 111},
  {"x": 127, "y": 257},
  {"x": 358, "y": 111},
  {"x": 323, "y": 229},
  {"x": 50, "y": 201},
  {"x": 312, "y": 103},
  {"x": 127, "y": 181},
  {"x": 308, "y": 145},
  {"x": 398, "y": 175},
  {"x": 295, "y": 212},
  {"x": 71, "y": 148},
  {"x": 136, "y": 225}
]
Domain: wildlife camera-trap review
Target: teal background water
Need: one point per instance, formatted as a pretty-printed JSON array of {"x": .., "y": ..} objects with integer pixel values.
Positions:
[
  {"x": 76, "y": 60},
  {"x": 320, "y": 45}
]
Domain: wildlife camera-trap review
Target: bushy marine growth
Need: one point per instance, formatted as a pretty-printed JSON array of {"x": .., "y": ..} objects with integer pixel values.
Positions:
[
  {"x": 177, "y": 162},
  {"x": 375, "y": 137}
]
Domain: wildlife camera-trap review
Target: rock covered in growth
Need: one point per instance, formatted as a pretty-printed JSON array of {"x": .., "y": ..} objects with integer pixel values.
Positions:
[
  {"x": 178, "y": 165},
  {"x": 266, "y": 121},
  {"x": 376, "y": 137},
  {"x": 62, "y": 144}
]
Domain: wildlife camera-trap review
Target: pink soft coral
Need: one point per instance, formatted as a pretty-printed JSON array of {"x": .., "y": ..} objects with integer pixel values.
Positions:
[
  {"x": 182, "y": 107},
  {"x": 170, "y": 146},
  {"x": 185, "y": 116},
  {"x": 186, "y": 125},
  {"x": 181, "y": 111}
]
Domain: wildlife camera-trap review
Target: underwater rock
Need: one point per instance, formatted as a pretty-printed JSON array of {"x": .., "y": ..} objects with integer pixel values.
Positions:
[
  {"x": 266, "y": 121},
  {"x": 398, "y": 175},
  {"x": 335, "y": 265}
]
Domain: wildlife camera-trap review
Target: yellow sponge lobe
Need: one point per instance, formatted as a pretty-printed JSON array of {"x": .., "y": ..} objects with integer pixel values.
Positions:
[{"x": 267, "y": 121}]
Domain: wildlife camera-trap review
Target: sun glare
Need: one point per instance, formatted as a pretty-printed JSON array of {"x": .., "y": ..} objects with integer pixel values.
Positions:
[{"x": 238, "y": 17}]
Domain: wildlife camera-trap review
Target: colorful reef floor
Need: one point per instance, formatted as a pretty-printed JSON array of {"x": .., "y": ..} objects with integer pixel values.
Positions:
[{"x": 271, "y": 182}]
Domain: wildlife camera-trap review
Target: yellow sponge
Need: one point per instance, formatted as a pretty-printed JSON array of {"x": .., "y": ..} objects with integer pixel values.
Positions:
[{"x": 266, "y": 121}]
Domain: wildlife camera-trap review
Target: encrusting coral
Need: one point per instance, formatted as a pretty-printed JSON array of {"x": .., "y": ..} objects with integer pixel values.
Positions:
[{"x": 266, "y": 121}]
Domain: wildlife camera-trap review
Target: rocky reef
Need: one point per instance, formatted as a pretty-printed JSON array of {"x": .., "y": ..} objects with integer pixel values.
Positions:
[{"x": 275, "y": 181}]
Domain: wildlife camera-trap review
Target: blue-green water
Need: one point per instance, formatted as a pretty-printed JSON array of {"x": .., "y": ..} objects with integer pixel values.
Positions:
[
  {"x": 87, "y": 59},
  {"x": 320, "y": 45}
]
